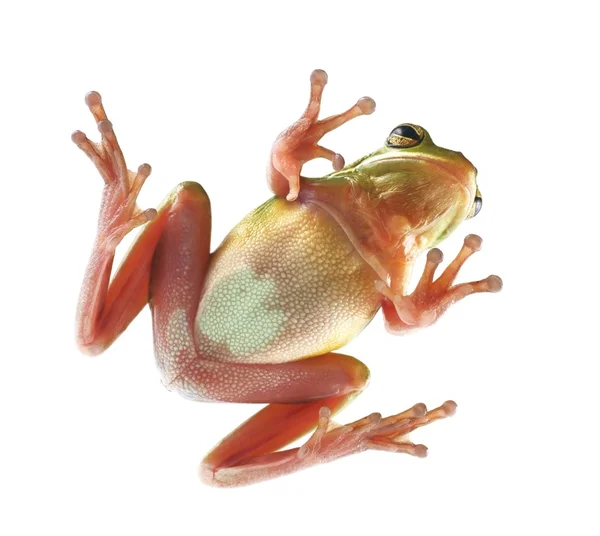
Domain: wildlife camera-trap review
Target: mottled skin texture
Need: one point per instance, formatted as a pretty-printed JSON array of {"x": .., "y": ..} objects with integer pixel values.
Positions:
[
  {"x": 258, "y": 319},
  {"x": 289, "y": 281}
]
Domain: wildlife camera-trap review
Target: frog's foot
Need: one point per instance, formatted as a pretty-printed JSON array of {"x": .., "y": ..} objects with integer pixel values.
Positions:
[
  {"x": 299, "y": 143},
  {"x": 330, "y": 441},
  {"x": 119, "y": 213},
  {"x": 430, "y": 298}
]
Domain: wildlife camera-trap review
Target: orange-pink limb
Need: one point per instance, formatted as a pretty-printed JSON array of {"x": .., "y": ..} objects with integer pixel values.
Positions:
[
  {"x": 431, "y": 298},
  {"x": 251, "y": 453}
]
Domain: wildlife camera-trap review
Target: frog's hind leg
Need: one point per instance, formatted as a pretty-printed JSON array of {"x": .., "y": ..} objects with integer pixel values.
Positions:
[
  {"x": 299, "y": 143},
  {"x": 251, "y": 453},
  {"x": 107, "y": 307}
]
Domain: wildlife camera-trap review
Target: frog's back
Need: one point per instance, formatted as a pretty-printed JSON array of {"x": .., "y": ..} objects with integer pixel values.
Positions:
[{"x": 285, "y": 284}]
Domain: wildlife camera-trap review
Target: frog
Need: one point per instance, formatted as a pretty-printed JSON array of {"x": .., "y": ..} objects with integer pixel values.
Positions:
[{"x": 259, "y": 319}]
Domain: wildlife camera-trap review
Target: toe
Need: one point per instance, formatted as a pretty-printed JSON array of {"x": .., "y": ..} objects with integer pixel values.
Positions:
[
  {"x": 367, "y": 105},
  {"x": 319, "y": 77},
  {"x": 473, "y": 242},
  {"x": 494, "y": 283}
]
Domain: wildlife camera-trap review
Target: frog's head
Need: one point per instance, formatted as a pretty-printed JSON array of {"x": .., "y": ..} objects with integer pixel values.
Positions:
[{"x": 413, "y": 191}]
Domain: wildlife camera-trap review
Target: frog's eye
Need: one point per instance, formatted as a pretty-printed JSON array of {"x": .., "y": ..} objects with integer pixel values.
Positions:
[
  {"x": 405, "y": 135},
  {"x": 477, "y": 204}
]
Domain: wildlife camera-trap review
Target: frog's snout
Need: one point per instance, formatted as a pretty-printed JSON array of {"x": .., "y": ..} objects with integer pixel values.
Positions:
[{"x": 466, "y": 163}]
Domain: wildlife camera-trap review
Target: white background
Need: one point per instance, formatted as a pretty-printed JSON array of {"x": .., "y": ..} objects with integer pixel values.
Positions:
[{"x": 97, "y": 446}]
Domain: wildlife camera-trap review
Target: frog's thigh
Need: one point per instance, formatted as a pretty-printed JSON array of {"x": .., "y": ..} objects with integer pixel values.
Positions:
[
  {"x": 131, "y": 287},
  {"x": 177, "y": 274},
  {"x": 176, "y": 281},
  {"x": 180, "y": 260},
  {"x": 292, "y": 382}
]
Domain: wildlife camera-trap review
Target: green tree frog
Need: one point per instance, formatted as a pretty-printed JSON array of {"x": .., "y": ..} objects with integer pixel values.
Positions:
[{"x": 258, "y": 320}]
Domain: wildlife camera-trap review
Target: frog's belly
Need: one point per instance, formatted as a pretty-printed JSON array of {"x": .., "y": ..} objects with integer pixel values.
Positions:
[{"x": 285, "y": 284}]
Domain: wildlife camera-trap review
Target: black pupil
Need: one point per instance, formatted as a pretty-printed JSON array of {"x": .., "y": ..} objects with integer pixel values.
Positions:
[{"x": 405, "y": 131}]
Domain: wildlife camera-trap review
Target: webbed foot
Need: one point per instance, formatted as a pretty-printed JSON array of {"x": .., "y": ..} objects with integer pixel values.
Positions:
[
  {"x": 119, "y": 213},
  {"x": 330, "y": 441},
  {"x": 431, "y": 298}
]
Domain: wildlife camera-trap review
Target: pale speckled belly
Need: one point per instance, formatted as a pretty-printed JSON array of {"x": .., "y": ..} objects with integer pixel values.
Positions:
[{"x": 285, "y": 284}]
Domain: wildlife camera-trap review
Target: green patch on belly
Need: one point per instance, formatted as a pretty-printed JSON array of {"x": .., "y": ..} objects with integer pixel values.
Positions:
[{"x": 241, "y": 312}]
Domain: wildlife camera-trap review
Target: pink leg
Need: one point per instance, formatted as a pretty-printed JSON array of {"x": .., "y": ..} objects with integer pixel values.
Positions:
[
  {"x": 104, "y": 310},
  {"x": 251, "y": 453},
  {"x": 299, "y": 143},
  {"x": 107, "y": 307}
]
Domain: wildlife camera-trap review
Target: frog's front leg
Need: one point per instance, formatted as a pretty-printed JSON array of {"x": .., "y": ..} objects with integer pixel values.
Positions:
[
  {"x": 431, "y": 298},
  {"x": 299, "y": 143}
]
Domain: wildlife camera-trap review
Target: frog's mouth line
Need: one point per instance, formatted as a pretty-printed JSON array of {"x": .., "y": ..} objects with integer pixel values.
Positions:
[{"x": 450, "y": 170}]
